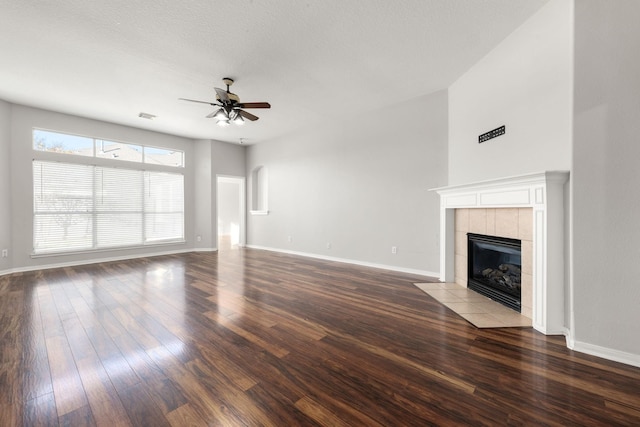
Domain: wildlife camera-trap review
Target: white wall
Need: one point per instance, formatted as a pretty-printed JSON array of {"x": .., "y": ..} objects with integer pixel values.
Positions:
[
  {"x": 5, "y": 187},
  {"x": 23, "y": 120},
  {"x": 606, "y": 174},
  {"x": 359, "y": 185},
  {"x": 525, "y": 83}
]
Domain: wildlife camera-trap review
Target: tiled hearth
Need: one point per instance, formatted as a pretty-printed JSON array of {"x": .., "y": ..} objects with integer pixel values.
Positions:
[
  {"x": 528, "y": 207},
  {"x": 477, "y": 309}
]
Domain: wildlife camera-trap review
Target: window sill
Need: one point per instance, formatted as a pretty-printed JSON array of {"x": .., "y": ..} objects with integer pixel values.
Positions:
[
  {"x": 259, "y": 212},
  {"x": 101, "y": 250}
]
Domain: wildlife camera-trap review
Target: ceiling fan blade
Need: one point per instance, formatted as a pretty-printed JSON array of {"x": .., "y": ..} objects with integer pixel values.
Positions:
[
  {"x": 247, "y": 116},
  {"x": 254, "y": 105},
  {"x": 208, "y": 116},
  {"x": 222, "y": 94},
  {"x": 195, "y": 100}
]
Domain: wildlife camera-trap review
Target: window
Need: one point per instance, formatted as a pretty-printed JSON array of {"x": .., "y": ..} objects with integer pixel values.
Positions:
[
  {"x": 162, "y": 156},
  {"x": 83, "y": 207},
  {"x": 118, "y": 150},
  {"x": 61, "y": 143},
  {"x": 55, "y": 142}
]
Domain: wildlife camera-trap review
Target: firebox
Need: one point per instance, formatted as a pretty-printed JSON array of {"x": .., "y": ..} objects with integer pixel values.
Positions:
[{"x": 494, "y": 268}]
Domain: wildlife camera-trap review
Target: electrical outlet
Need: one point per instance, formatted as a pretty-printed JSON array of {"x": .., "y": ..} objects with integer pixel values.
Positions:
[
  {"x": 394, "y": 250},
  {"x": 5, "y": 253},
  {"x": 198, "y": 238},
  {"x": 328, "y": 245},
  {"x": 289, "y": 239}
]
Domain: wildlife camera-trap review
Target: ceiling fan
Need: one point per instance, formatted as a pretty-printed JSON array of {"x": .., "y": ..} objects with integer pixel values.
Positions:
[{"x": 231, "y": 109}]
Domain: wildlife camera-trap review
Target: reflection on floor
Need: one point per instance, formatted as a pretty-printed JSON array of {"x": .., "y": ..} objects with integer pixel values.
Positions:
[
  {"x": 224, "y": 243},
  {"x": 477, "y": 309}
]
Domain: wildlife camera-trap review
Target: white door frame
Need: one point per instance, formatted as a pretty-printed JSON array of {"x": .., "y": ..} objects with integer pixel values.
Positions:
[{"x": 241, "y": 181}]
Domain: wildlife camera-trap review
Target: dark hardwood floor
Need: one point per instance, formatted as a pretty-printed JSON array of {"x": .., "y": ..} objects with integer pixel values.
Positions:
[{"x": 248, "y": 337}]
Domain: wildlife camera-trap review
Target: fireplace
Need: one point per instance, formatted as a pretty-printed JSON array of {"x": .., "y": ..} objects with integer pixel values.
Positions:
[
  {"x": 495, "y": 268},
  {"x": 544, "y": 280}
]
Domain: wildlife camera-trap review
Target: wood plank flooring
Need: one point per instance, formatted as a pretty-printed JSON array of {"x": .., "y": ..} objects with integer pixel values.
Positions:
[{"x": 254, "y": 338}]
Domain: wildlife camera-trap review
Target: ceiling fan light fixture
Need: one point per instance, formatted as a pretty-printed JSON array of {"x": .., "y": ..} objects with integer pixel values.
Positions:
[
  {"x": 223, "y": 123},
  {"x": 238, "y": 120},
  {"x": 221, "y": 115}
]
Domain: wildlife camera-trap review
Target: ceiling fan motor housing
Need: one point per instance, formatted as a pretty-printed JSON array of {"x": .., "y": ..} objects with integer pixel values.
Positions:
[{"x": 232, "y": 97}]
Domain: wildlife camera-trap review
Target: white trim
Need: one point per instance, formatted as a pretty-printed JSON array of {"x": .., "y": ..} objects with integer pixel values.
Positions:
[
  {"x": 606, "y": 353},
  {"x": 204, "y": 250},
  {"x": 429, "y": 274},
  {"x": 510, "y": 181},
  {"x": 259, "y": 212}
]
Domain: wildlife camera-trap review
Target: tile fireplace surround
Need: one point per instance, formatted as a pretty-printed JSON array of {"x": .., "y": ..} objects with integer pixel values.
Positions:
[{"x": 542, "y": 192}]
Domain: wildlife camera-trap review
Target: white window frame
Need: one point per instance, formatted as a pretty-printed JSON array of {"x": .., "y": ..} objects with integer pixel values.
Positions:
[{"x": 46, "y": 156}]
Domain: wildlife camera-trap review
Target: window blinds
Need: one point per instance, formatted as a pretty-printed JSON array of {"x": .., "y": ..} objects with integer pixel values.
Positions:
[{"x": 83, "y": 207}]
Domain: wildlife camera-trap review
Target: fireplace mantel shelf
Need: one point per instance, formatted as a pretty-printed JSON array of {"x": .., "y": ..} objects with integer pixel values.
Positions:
[
  {"x": 544, "y": 192},
  {"x": 530, "y": 178}
]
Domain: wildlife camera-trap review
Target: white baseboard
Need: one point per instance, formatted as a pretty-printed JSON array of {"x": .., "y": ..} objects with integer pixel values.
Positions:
[
  {"x": 429, "y": 274},
  {"x": 204, "y": 250},
  {"x": 606, "y": 353}
]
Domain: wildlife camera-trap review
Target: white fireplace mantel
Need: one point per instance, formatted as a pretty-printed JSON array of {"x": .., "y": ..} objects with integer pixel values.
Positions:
[{"x": 544, "y": 192}]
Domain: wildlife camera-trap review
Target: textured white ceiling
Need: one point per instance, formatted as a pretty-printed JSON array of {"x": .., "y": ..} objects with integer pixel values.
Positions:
[{"x": 312, "y": 60}]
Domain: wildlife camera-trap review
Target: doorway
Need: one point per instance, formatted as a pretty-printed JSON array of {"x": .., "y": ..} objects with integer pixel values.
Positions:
[{"x": 230, "y": 201}]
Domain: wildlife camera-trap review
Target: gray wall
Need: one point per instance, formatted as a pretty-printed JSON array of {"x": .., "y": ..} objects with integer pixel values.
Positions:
[
  {"x": 606, "y": 196},
  {"x": 204, "y": 225},
  {"x": 212, "y": 158},
  {"x": 359, "y": 185},
  {"x": 227, "y": 159},
  {"x": 5, "y": 184},
  {"x": 524, "y": 83}
]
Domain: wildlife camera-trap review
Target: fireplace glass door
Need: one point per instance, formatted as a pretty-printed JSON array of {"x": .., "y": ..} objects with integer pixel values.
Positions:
[{"x": 494, "y": 268}]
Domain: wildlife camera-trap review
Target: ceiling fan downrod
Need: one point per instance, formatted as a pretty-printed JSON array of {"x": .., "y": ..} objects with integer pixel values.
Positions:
[{"x": 228, "y": 81}]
